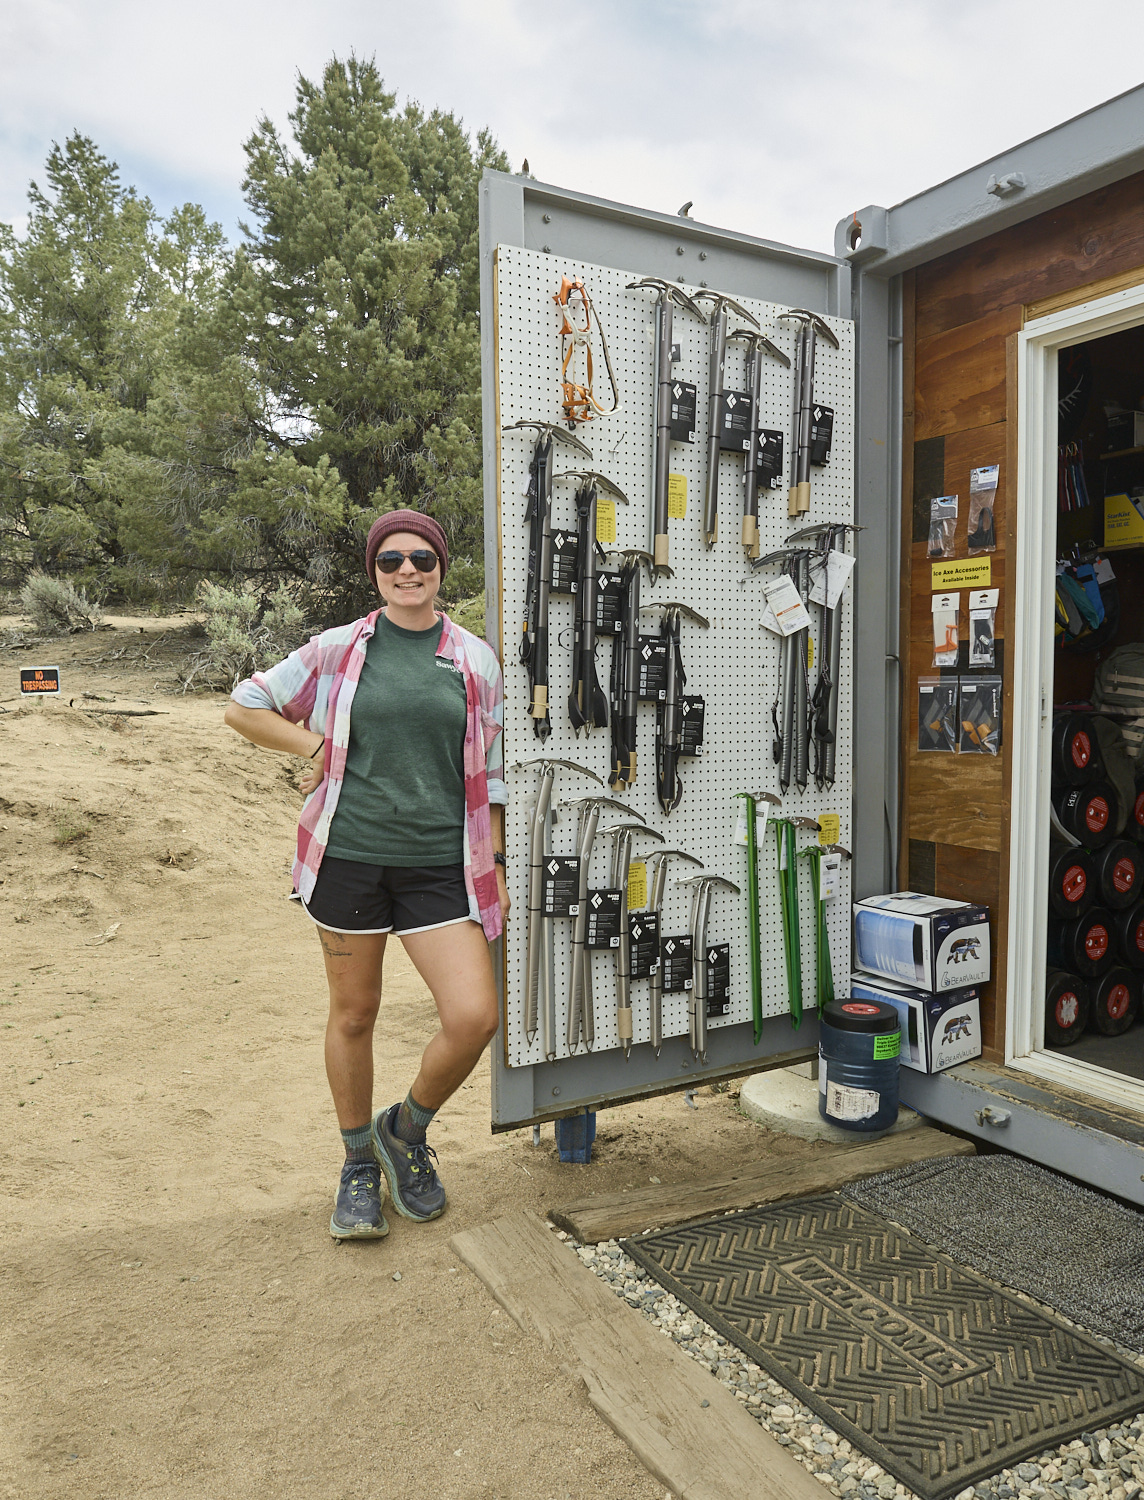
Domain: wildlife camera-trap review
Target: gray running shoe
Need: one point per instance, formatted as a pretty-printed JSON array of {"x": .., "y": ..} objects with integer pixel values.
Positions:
[
  {"x": 413, "y": 1182},
  {"x": 357, "y": 1209}
]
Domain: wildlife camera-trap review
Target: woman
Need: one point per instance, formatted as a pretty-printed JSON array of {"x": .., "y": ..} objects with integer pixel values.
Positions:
[{"x": 400, "y": 715}]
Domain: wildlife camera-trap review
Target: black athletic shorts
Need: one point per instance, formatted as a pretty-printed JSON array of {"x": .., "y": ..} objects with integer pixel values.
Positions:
[{"x": 354, "y": 897}]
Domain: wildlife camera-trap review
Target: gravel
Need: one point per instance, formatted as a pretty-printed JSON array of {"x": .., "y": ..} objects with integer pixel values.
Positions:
[{"x": 1103, "y": 1465}]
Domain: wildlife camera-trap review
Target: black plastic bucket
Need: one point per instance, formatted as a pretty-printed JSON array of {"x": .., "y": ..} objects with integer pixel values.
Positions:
[
  {"x": 1119, "y": 870},
  {"x": 1072, "y": 880},
  {"x": 1089, "y": 813},
  {"x": 1076, "y": 753},
  {"x": 858, "y": 1048},
  {"x": 1129, "y": 927},
  {"x": 1087, "y": 946},
  {"x": 1115, "y": 1001}
]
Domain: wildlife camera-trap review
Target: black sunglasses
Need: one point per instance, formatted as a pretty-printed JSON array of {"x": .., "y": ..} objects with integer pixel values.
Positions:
[{"x": 422, "y": 559}]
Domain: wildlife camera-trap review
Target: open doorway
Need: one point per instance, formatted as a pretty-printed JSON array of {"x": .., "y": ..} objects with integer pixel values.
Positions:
[
  {"x": 1075, "y": 1011},
  {"x": 1095, "y": 940}
]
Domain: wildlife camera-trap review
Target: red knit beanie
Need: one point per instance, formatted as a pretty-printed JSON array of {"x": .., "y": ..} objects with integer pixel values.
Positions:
[{"x": 404, "y": 520}]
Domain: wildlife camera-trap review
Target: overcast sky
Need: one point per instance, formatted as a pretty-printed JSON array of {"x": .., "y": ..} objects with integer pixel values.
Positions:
[{"x": 776, "y": 119}]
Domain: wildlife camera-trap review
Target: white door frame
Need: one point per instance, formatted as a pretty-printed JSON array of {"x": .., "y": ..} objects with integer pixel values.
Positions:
[{"x": 1032, "y": 573}]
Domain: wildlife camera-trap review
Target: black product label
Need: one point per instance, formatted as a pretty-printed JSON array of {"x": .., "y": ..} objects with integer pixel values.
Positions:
[
  {"x": 718, "y": 979},
  {"x": 561, "y": 885},
  {"x": 682, "y": 412},
  {"x": 735, "y": 421},
  {"x": 604, "y": 918},
  {"x": 653, "y": 668},
  {"x": 675, "y": 956},
  {"x": 821, "y": 432},
  {"x": 643, "y": 928},
  {"x": 565, "y": 550},
  {"x": 769, "y": 458},
  {"x": 691, "y": 717},
  {"x": 609, "y": 602}
]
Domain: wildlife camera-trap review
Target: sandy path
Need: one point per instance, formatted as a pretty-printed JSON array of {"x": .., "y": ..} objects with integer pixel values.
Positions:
[{"x": 176, "y": 1321}]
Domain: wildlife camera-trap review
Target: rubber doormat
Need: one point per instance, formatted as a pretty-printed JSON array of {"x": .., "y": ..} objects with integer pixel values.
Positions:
[{"x": 940, "y": 1375}]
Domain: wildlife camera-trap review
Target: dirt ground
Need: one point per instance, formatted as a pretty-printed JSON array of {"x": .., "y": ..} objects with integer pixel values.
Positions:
[{"x": 176, "y": 1321}]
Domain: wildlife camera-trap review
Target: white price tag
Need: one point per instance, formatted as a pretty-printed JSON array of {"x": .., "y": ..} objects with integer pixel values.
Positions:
[
  {"x": 741, "y": 822},
  {"x": 829, "y": 867},
  {"x": 786, "y": 602},
  {"x": 830, "y": 582}
]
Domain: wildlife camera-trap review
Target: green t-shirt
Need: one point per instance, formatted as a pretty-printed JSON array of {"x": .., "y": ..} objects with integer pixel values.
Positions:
[{"x": 403, "y": 798}]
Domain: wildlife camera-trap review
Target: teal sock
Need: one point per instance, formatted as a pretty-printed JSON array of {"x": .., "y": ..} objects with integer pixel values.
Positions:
[
  {"x": 412, "y": 1121},
  {"x": 357, "y": 1144}
]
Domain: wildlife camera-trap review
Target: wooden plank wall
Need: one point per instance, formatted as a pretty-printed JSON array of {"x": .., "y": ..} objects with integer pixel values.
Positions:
[{"x": 962, "y": 314}]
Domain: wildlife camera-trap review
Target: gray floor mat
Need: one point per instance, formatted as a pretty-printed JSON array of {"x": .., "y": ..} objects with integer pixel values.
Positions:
[{"x": 1021, "y": 1225}]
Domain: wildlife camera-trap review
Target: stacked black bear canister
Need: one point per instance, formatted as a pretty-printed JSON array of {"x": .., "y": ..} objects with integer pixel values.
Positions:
[{"x": 1096, "y": 885}]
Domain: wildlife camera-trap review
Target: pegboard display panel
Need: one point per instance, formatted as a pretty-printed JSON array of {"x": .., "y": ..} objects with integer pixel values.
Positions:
[{"x": 734, "y": 664}]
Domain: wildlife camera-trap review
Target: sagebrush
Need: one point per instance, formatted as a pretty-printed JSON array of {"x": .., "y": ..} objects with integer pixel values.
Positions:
[
  {"x": 245, "y": 632},
  {"x": 57, "y": 607}
]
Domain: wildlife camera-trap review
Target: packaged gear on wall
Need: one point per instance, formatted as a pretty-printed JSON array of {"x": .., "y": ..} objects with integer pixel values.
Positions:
[
  {"x": 980, "y": 715},
  {"x": 946, "y": 610},
  {"x": 937, "y": 714},
  {"x": 943, "y": 526},
  {"x": 982, "y": 499},
  {"x": 982, "y": 611}
]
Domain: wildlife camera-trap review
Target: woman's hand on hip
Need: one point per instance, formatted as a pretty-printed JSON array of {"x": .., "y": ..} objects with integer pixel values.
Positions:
[{"x": 311, "y": 778}]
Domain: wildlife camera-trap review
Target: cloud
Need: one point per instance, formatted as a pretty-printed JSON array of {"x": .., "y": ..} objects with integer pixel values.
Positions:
[{"x": 776, "y": 119}]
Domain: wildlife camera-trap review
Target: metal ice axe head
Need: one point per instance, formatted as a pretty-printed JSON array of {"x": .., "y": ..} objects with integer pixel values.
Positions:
[
  {"x": 811, "y": 320},
  {"x": 721, "y": 300},
  {"x": 669, "y": 292},
  {"x": 547, "y": 760},
  {"x": 598, "y": 479},
  {"x": 637, "y": 555},
  {"x": 551, "y": 429},
  {"x": 760, "y": 341},
  {"x": 673, "y": 606}
]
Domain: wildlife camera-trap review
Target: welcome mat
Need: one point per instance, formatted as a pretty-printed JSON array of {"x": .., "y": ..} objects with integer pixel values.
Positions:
[{"x": 940, "y": 1375}]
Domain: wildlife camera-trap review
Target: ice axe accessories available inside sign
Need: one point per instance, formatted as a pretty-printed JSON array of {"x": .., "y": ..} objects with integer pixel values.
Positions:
[{"x": 39, "y": 680}]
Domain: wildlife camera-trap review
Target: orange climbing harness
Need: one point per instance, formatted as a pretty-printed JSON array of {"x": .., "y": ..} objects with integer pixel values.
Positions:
[{"x": 579, "y": 404}]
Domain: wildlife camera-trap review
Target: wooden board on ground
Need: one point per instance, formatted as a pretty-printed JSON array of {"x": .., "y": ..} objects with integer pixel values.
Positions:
[
  {"x": 611, "y": 1216},
  {"x": 688, "y": 1430}
]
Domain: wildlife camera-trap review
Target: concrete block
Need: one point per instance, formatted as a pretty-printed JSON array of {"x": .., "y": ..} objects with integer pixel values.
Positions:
[{"x": 783, "y": 1101}]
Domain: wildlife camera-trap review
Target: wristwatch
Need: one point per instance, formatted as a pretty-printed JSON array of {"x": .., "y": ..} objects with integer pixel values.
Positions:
[{"x": 498, "y": 859}]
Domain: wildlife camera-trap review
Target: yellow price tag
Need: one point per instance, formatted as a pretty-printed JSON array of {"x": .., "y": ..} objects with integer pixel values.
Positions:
[
  {"x": 809, "y": 652},
  {"x": 677, "y": 496},
  {"x": 637, "y": 885},
  {"x": 606, "y": 523},
  {"x": 829, "y": 828}
]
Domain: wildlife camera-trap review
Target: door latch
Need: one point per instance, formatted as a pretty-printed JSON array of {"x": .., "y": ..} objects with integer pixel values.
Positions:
[{"x": 992, "y": 1116}]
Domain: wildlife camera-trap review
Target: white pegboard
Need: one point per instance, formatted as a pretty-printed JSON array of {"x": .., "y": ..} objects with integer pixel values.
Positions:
[{"x": 734, "y": 664}]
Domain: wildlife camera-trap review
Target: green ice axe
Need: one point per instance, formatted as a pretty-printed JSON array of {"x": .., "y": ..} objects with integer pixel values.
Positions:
[
  {"x": 823, "y": 970},
  {"x": 749, "y": 801}
]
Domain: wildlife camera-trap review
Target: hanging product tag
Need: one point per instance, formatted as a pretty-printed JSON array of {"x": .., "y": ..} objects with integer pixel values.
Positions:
[
  {"x": 677, "y": 496},
  {"x": 565, "y": 554},
  {"x": 830, "y": 582},
  {"x": 637, "y": 885},
  {"x": 769, "y": 458},
  {"x": 735, "y": 426},
  {"x": 821, "y": 434},
  {"x": 682, "y": 412},
  {"x": 829, "y": 828},
  {"x": 980, "y": 715},
  {"x": 675, "y": 957},
  {"x": 609, "y": 604},
  {"x": 787, "y": 609},
  {"x": 718, "y": 978},
  {"x": 643, "y": 929},
  {"x": 561, "y": 885},
  {"x": 606, "y": 522},
  {"x": 829, "y": 868},
  {"x": 651, "y": 656},
  {"x": 943, "y": 526},
  {"x": 691, "y": 711},
  {"x": 604, "y": 918},
  {"x": 937, "y": 713},
  {"x": 982, "y": 610},
  {"x": 982, "y": 494},
  {"x": 741, "y": 823},
  {"x": 946, "y": 612}
]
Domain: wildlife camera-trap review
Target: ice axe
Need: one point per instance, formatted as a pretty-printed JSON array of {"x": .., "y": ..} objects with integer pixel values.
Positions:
[
  {"x": 701, "y": 906},
  {"x": 587, "y": 702},
  {"x": 625, "y": 679},
  {"x": 824, "y": 700},
  {"x": 668, "y": 727},
  {"x": 720, "y": 302},
  {"x": 750, "y": 801},
  {"x": 811, "y": 328},
  {"x": 660, "y": 858},
  {"x": 757, "y": 346},
  {"x": 667, "y": 296},
  {"x": 538, "y": 514},
  {"x": 581, "y": 1010},
  {"x": 621, "y": 866},
  {"x": 538, "y": 962}
]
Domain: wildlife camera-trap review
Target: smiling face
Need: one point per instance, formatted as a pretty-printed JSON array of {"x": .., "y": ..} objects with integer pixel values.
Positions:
[{"x": 408, "y": 594}]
